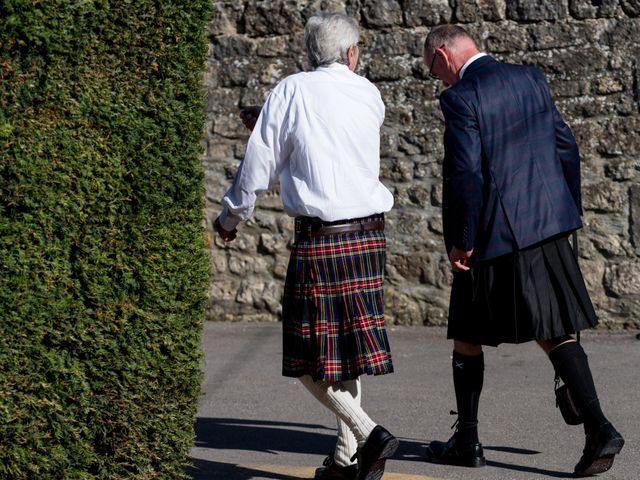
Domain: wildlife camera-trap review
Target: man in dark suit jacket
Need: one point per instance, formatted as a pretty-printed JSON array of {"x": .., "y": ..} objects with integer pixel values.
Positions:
[{"x": 511, "y": 198}]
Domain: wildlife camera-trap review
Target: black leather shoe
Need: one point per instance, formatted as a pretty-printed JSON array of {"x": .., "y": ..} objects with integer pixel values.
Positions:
[
  {"x": 331, "y": 471},
  {"x": 600, "y": 448},
  {"x": 379, "y": 446},
  {"x": 454, "y": 452}
]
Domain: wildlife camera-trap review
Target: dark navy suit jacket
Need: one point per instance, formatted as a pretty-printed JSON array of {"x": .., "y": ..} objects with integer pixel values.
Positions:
[{"x": 511, "y": 168}]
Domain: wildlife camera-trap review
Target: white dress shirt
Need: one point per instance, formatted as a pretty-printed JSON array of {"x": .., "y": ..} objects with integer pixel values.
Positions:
[
  {"x": 318, "y": 134},
  {"x": 470, "y": 61}
]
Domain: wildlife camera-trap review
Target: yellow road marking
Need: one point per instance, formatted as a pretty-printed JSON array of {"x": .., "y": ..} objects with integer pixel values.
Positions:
[{"x": 308, "y": 472}]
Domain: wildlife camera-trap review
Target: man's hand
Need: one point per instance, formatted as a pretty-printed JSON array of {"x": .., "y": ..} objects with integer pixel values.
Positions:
[
  {"x": 459, "y": 259},
  {"x": 226, "y": 235},
  {"x": 249, "y": 116}
]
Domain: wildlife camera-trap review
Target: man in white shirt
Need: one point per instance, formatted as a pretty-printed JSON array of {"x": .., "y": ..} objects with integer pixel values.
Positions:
[{"x": 318, "y": 135}]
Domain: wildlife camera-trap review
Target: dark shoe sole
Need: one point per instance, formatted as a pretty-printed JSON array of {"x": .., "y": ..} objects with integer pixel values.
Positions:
[
  {"x": 377, "y": 469},
  {"x": 605, "y": 461}
]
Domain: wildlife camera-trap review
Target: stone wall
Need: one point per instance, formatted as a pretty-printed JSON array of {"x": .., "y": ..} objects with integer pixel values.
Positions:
[{"x": 589, "y": 51}]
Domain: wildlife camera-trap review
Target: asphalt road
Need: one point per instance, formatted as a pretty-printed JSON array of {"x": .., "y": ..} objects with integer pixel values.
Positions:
[{"x": 255, "y": 424}]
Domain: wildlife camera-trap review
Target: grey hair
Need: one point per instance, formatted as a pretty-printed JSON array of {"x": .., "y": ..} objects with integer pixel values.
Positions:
[
  {"x": 444, "y": 35},
  {"x": 328, "y": 36}
]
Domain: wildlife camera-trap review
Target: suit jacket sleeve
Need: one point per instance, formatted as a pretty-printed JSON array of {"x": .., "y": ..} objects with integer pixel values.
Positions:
[{"x": 463, "y": 172}]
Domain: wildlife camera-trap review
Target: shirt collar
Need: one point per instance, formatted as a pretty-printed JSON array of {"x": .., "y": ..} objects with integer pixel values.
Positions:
[
  {"x": 334, "y": 65},
  {"x": 470, "y": 61}
]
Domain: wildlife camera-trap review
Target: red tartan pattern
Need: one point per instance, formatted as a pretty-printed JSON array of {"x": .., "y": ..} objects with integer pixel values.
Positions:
[{"x": 333, "y": 316}]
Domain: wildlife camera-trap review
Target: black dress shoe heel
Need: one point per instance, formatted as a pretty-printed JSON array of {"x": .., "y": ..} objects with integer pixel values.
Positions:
[
  {"x": 380, "y": 446},
  {"x": 613, "y": 446},
  {"x": 456, "y": 453},
  {"x": 599, "y": 451},
  {"x": 332, "y": 471}
]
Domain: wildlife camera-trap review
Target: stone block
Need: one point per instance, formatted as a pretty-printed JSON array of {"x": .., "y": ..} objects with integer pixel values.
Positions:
[
  {"x": 419, "y": 13},
  {"x": 608, "y": 233},
  {"x": 388, "y": 141},
  {"x": 528, "y": 11},
  {"x": 226, "y": 47},
  {"x": 280, "y": 17},
  {"x": 271, "y": 46},
  {"x": 586, "y": 105},
  {"x": 419, "y": 195},
  {"x": 222, "y": 100},
  {"x": 436, "y": 195},
  {"x": 467, "y": 11},
  {"x": 503, "y": 37},
  {"x": 408, "y": 146},
  {"x": 619, "y": 34},
  {"x": 582, "y": 9},
  {"x": 381, "y": 13},
  {"x": 389, "y": 68},
  {"x": 271, "y": 73},
  {"x": 316, "y": 6},
  {"x": 411, "y": 230},
  {"x": 623, "y": 169},
  {"x": 573, "y": 63},
  {"x": 607, "y": 85},
  {"x": 631, "y": 7},
  {"x": 219, "y": 263},
  {"x": 544, "y": 36},
  {"x": 238, "y": 72},
  {"x": 270, "y": 200},
  {"x": 225, "y": 18},
  {"x": 401, "y": 309},
  {"x": 426, "y": 166},
  {"x": 402, "y": 42},
  {"x": 397, "y": 169},
  {"x": 223, "y": 290},
  {"x": 218, "y": 150},
  {"x": 248, "y": 263},
  {"x": 604, "y": 197},
  {"x": 623, "y": 278},
  {"x": 272, "y": 243},
  {"x": 280, "y": 266},
  {"x": 229, "y": 126},
  {"x": 619, "y": 137}
]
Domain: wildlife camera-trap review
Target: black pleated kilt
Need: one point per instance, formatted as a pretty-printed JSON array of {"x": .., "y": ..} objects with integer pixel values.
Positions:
[{"x": 534, "y": 294}]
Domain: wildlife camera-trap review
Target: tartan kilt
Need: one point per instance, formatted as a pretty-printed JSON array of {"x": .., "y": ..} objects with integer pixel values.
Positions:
[{"x": 332, "y": 315}]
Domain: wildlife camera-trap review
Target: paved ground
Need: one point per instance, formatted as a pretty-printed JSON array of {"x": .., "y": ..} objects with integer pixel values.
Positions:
[{"x": 255, "y": 424}]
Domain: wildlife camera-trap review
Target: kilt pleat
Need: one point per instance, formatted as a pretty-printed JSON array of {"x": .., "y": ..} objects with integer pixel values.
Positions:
[
  {"x": 535, "y": 294},
  {"x": 333, "y": 316}
]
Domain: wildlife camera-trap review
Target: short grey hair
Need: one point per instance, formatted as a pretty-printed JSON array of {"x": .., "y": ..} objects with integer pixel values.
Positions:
[
  {"x": 444, "y": 35},
  {"x": 328, "y": 36}
]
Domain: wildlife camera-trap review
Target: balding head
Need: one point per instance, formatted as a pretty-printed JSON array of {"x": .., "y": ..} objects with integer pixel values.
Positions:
[
  {"x": 453, "y": 46},
  {"x": 453, "y": 37}
]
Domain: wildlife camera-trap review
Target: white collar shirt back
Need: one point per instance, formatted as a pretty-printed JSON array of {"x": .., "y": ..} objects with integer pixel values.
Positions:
[
  {"x": 319, "y": 135},
  {"x": 469, "y": 62}
]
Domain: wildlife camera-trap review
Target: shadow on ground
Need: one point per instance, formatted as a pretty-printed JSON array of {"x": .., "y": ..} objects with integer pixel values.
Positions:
[{"x": 275, "y": 437}]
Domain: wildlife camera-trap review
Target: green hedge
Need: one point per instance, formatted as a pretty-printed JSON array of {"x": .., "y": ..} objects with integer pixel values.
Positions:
[{"x": 103, "y": 266}]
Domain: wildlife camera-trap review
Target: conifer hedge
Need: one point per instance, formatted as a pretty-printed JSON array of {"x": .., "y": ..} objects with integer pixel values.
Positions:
[{"x": 103, "y": 267}]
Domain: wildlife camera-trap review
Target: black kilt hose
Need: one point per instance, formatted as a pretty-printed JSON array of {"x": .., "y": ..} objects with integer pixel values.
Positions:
[
  {"x": 537, "y": 293},
  {"x": 332, "y": 309}
]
